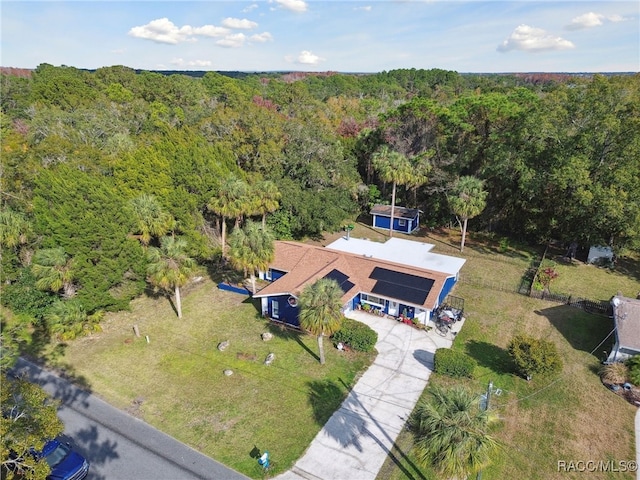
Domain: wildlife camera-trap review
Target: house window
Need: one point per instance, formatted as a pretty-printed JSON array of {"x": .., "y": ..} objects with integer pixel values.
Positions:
[
  {"x": 274, "y": 309},
  {"x": 402, "y": 222},
  {"x": 372, "y": 299},
  {"x": 267, "y": 275}
]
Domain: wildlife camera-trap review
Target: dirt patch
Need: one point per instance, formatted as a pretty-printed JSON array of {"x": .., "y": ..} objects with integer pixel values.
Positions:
[{"x": 246, "y": 356}]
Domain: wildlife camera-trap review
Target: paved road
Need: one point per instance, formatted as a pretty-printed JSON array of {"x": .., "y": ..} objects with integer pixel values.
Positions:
[{"x": 118, "y": 445}]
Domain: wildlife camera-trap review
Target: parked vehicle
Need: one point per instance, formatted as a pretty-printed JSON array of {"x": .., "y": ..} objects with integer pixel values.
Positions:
[{"x": 65, "y": 463}]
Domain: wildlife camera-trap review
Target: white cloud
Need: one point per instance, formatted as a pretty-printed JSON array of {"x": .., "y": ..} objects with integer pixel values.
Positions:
[
  {"x": 119, "y": 51},
  {"x": 250, "y": 8},
  {"x": 237, "y": 23},
  {"x": 308, "y": 58},
  {"x": 261, "y": 37},
  {"x": 232, "y": 41},
  {"x": 293, "y": 5},
  {"x": 207, "y": 31},
  {"x": 532, "y": 39},
  {"x": 587, "y": 20},
  {"x": 592, "y": 19},
  {"x": 179, "y": 62},
  {"x": 366, "y": 8},
  {"x": 163, "y": 30}
]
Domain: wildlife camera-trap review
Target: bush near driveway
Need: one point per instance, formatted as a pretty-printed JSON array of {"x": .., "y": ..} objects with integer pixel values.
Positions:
[
  {"x": 534, "y": 356},
  {"x": 357, "y": 335},
  {"x": 454, "y": 363}
]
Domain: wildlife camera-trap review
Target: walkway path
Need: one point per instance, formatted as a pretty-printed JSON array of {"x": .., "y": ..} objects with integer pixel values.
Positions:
[{"x": 355, "y": 441}]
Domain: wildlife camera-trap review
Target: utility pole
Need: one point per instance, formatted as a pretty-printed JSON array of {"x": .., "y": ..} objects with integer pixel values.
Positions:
[{"x": 485, "y": 407}]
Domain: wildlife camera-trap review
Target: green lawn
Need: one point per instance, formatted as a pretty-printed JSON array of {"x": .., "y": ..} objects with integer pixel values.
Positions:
[
  {"x": 569, "y": 417},
  {"x": 176, "y": 381}
]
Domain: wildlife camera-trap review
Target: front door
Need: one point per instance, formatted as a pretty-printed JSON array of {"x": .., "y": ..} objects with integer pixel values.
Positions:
[
  {"x": 274, "y": 309},
  {"x": 393, "y": 308}
]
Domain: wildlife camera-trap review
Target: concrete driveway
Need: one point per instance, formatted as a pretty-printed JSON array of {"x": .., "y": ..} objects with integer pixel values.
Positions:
[{"x": 355, "y": 441}]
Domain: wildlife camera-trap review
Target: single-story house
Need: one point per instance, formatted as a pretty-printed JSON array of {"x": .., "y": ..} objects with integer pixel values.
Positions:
[
  {"x": 398, "y": 277},
  {"x": 626, "y": 320},
  {"x": 405, "y": 220}
]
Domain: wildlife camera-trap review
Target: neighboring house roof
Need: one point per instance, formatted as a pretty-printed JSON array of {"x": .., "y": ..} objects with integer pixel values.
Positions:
[
  {"x": 399, "y": 250},
  {"x": 626, "y": 315},
  {"x": 356, "y": 273},
  {"x": 398, "y": 212}
]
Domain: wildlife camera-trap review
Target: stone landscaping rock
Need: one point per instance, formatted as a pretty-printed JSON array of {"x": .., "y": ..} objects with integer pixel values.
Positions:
[
  {"x": 222, "y": 346},
  {"x": 228, "y": 372},
  {"x": 270, "y": 358},
  {"x": 266, "y": 336}
]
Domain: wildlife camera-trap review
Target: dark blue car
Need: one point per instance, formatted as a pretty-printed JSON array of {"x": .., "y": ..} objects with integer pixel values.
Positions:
[{"x": 65, "y": 463}]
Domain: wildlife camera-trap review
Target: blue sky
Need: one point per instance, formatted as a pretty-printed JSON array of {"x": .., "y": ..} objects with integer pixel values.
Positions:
[{"x": 330, "y": 35}]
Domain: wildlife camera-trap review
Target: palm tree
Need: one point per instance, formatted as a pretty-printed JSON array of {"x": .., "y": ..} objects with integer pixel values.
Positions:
[
  {"x": 68, "y": 320},
  {"x": 170, "y": 267},
  {"x": 267, "y": 198},
  {"x": 467, "y": 200},
  {"x": 252, "y": 249},
  {"x": 54, "y": 271},
  {"x": 320, "y": 310},
  {"x": 392, "y": 167},
  {"x": 421, "y": 169},
  {"x": 151, "y": 220},
  {"x": 450, "y": 430},
  {"x": 15, "y": 230},
  {"x": 232, "y": 201}
]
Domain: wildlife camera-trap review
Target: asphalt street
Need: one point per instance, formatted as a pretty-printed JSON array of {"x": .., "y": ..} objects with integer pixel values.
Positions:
[{"x": 118, "y": 445}]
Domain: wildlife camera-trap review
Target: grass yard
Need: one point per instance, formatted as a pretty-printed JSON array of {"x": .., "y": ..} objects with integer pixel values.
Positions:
[
  {"x": 593, "y": 282},
  {"x": 176, "y": 381},
  {"x": 569, "y": 417}
]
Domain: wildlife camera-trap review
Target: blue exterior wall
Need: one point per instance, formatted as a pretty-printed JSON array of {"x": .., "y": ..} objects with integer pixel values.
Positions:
[
  {"x": 286, "y": 313},
  {"x": 446, "y": 288},
  {"x": 384, "y": 222},
  {"x": 233, "y": 288},
  {"x": 410, "y": 311},
  {"x": 381, "y": 222},
  {"x": 276, "y": 274},
  {"x": 355, "y": 302}
]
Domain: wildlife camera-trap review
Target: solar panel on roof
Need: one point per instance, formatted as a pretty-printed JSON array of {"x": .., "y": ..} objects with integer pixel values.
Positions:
[
  {"x": 401, "y": 286},
  {"x": 341, "y": 279},
  {"x": 336, "y": 275},
  {"x": 400, "y": 278}
]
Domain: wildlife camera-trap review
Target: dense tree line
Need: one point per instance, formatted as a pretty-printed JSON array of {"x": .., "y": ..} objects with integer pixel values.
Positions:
[{"x": 101, "y": 168}]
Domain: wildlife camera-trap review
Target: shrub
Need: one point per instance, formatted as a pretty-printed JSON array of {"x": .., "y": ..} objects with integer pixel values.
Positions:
[
  {"x": 633, "y": 364},
  {"x": 546, "y": 274},
  {"x": 357, "y": 335},
  {"x": 453, "y": 363},
  {"x": 23, "y": 297},
  {"x": 614, "y": 373},
  {"x": 534, "y": 356}
]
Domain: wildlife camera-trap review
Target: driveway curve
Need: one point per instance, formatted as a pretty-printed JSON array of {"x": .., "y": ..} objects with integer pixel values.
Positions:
[{"x": 356, "y": 440}]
